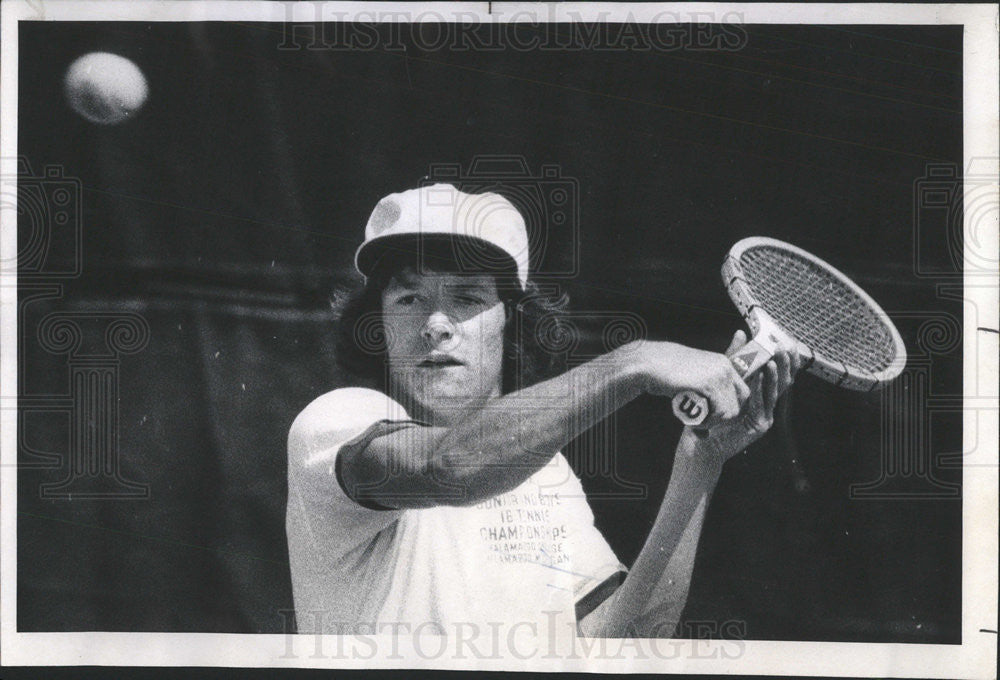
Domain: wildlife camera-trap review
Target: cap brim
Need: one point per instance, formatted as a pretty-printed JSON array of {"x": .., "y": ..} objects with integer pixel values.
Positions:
[{"x": 449, "y": 252}]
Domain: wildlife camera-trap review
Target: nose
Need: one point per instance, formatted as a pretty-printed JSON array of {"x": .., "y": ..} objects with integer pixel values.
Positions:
[{"x": 438, "y": 329}]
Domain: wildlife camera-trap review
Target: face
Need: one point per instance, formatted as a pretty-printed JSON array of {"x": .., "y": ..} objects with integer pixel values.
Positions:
[{"x": 445, "y": 336}]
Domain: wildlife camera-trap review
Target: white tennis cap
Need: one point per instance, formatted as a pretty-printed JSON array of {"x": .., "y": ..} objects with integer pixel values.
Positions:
[{"x": 486, "y": 230}]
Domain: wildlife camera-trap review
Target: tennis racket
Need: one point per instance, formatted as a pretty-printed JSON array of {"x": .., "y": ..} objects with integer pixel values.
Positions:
[{"x": 792, "y": 298}]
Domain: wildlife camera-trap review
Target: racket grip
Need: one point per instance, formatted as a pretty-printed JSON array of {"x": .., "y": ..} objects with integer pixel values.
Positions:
[{"x": 692, "y": 408}]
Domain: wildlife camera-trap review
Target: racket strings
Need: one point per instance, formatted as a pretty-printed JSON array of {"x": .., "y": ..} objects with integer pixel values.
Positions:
[{"x": 818, "y": 308}]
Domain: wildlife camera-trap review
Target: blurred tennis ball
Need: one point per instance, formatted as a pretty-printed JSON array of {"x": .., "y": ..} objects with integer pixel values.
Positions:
[{"x": 105, "y": 88}]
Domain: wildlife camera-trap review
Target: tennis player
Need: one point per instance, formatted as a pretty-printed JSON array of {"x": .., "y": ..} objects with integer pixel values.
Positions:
[{"x": 434, "y": 494}]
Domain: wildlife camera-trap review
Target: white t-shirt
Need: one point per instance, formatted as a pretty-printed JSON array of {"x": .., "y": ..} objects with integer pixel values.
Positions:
[{"x": 508, "y": 560}]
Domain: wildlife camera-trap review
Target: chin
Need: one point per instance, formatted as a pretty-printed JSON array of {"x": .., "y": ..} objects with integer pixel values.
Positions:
[
  {"x": 443, "y": 401},
  {"x": 449, "y": 396}
]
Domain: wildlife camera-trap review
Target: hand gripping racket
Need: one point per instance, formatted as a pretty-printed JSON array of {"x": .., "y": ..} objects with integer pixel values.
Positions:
[{"x": 792, "y": 298}]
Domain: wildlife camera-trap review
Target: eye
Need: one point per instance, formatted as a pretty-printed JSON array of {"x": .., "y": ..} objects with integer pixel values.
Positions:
[
  {"x": 407, "y": 299},
  {"x": 469, "y": 300}
]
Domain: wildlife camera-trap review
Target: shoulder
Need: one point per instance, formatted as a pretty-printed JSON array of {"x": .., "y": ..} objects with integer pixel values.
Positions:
[
  {"x": 346, "y": 407},
  {"x": 333, "y": 419}
]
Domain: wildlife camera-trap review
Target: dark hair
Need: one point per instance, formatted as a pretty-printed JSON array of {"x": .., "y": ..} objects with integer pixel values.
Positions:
[{"x": 533, "y": 316}]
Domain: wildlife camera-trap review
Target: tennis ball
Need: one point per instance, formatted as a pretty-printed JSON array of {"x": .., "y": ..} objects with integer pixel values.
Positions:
[{"x": 105, "y": 88}]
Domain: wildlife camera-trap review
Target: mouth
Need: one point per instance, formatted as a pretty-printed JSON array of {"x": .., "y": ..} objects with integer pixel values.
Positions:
[{"x": 442, "y": 361}]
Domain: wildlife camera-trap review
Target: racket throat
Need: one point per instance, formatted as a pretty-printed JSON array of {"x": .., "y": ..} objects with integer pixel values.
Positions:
[{"x": 752, "y": 356}]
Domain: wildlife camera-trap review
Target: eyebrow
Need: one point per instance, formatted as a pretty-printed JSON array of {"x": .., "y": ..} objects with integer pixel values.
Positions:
[
  {"x": 410, "y": 279},
  {"x": 403, "y": 279},
  {"x": 475, "y": 286}
]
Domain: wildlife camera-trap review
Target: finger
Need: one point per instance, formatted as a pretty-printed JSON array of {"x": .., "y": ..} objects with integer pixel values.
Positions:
[
  {"x": 751, "y": 413},
  {"x": 726, "y": 405},
  {"x": 739, "y": 385},
  {"x": 739, "y": 339},
  {"x": 796, "y": 360},
  {"x": 770, "y": 390},
  {"x": 754, "y": 402},
  {"x": 783, "y": 363},
  {"x": 728, "y": 408}
]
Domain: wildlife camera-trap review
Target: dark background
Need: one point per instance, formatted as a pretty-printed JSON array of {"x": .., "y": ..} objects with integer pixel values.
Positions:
[{"x": 225, "y": 212}]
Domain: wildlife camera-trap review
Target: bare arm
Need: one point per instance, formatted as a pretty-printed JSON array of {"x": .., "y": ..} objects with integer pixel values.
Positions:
[
  {"x": 497, "y": 447},
  {"x": 650, "y": 601}
]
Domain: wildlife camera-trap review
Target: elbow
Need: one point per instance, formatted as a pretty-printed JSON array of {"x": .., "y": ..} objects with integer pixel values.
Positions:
[
  {"x": 411, "y": 479},
  {"x": 455, "y": 478},
  {"x": 461, "y": 478}
]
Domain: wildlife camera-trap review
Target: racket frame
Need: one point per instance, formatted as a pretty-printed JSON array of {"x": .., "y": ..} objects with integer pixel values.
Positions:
[
  {"x": 768, "y": 335},
  {"x": 814, "y": 361}
]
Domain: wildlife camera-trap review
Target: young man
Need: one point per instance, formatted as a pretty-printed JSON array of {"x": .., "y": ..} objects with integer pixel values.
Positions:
[{"x": 441, "y": 497}]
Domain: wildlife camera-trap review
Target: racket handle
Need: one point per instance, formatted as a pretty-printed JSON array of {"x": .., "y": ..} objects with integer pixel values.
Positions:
[
  {"x": 693, "y": 409},
  {"x": 690, "y": 407}
]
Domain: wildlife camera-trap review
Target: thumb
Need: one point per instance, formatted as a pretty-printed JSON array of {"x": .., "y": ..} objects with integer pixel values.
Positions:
[{"x": 739, "y": 339}]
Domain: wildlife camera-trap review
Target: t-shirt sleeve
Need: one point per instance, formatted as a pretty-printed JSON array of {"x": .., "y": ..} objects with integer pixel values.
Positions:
[{"x": 318, "y": 506}]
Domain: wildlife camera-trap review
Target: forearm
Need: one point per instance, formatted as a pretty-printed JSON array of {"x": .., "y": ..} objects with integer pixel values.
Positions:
[
  {"x": 497, "y": 447},
  {"x": 494, "y": 448},
  {"x": 650, "y": 601}
]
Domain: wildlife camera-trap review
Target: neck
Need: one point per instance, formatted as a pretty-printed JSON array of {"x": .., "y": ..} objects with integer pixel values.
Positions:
[{"x": 440, "y": 413}]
